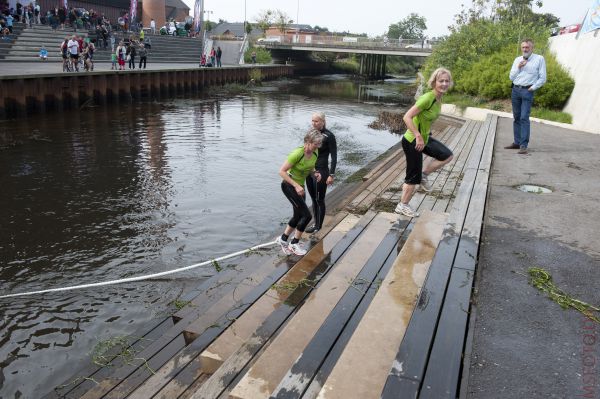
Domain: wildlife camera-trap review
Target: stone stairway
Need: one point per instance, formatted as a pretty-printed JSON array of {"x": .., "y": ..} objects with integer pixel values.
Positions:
[
  {"x": 28, "y": 41},
  {"x": 6, "y": 45}
]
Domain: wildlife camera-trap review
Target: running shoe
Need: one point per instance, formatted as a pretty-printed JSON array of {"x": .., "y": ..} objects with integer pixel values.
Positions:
[
  {"x": 284, "y": 246},
  {"x": 312, "y": 229},
  {"x": 406, "y": 210},
  {"x": 297, "y": 249},
  {"x": 425, "y": 183}
]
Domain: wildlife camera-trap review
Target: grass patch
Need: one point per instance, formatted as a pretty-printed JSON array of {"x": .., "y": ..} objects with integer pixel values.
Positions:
[
  {"x": 383, "y": 205},
  {"x": 292, "y": 286},
  {"x": 462, "y": 101},
  {"x": 179, "y": 304},
  {"x": 216, "y": 265},
  {"x": 542, "y": 280},
  {"x": 107, "y": 351},
  {"x": 551, "y": 115}
]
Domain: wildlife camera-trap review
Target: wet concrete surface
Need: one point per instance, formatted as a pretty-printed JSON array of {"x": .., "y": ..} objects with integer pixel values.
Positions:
[{"x": 524, "y": 344}]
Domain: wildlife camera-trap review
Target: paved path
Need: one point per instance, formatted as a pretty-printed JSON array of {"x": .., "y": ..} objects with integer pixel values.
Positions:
[{"x": 525, "y": 345}]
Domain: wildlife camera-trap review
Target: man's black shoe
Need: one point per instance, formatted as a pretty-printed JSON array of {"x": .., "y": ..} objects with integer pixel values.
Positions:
[{"x": 311, "y": 229}]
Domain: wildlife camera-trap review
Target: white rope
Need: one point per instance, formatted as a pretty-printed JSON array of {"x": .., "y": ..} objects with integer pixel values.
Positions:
[{"x": 139, "y": 278}]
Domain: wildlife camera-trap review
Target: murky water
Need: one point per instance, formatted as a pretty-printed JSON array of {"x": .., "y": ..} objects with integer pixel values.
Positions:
[{"x": 109, "y": 193}]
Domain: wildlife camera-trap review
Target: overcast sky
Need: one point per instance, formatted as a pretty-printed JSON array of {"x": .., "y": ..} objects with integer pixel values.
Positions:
[{"x": 373, "y": 16}]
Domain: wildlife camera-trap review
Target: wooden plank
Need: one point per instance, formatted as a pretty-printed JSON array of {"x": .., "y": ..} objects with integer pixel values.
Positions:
[
  {"x": 456, "y": 170},
  {"x": 232, "y": 367},
  {"x": 390, "y": 159},
  {"x": 362, "y": 369},
  {"x": 413, "y": 353},
  {"x": 308, "y": 362},
  {"x": 443, "y": 369},
  {"x": 155, "y": 347},
  {"x": 243, "y": 328},
  {"x": 98, "y": 373},
  {"x": 108, "y": 384},
  {"x": 265, "y": 374},
  {"x": 381, "y": 184},
  {"x": 221, "y": 284},
  {"x": 245, "y": 325}
]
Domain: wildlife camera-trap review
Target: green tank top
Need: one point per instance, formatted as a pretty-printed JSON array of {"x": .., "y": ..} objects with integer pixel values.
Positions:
[
  {"x": 301, "y": 167},
  {"x": 430, "y": 111}
]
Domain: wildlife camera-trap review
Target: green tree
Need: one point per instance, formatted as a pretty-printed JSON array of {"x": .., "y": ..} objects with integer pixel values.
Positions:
[
  {"x": 282, "y": 20},
  {"x": 483, "y": 45},
  {"x": 411, "y": 27},
  {"x": 249, "y": 27},
  {"x": 264, "y": 20}
]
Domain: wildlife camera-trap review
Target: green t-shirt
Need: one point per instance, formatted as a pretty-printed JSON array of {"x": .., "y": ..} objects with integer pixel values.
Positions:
[
  {"x": 430, "y": 110},
  {"x": 301, "y": 167}
]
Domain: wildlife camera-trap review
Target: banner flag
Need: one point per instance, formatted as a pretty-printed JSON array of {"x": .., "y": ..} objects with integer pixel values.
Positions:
[
  {"x": 132, "y": 11},
  {"x": 198, "y": 8},
  {"x": 592, "y": 18},
  {"x": 65, "y": 4}
]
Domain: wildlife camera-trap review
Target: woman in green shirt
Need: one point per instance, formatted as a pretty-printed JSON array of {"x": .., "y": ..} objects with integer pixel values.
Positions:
[
  {"x": 417, "y": 141},
  {"x": 298, "y": 165}
]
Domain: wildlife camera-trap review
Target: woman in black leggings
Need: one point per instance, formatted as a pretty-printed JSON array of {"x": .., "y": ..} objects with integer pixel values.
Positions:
[
  {"x": 316, "y": 189},
  {"x": 417, "y": 141},
  {"x": 299, "y": 164}
]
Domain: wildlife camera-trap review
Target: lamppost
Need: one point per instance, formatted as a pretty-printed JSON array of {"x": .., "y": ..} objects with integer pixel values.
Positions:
[{"x": 297, "y": 22}]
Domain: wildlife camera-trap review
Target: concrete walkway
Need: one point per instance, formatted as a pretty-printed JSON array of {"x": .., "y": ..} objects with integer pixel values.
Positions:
[{"x": 524, "y": 344}]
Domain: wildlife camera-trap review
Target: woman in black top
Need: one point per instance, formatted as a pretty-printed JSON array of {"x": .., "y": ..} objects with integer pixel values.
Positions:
[{"x": 316, "y": 189}]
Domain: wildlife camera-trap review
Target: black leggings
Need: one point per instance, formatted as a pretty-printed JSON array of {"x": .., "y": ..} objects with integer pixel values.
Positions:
[
  {"x": 301, "y": 216},
  {"x": 317, "y": 192},
  {"x": 414, "y": 158}
]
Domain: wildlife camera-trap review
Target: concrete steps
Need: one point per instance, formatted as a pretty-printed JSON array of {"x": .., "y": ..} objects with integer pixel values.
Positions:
[{"x": 164, "y": 49}]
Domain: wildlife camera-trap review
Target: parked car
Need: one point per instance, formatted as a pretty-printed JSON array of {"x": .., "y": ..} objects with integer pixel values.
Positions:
[
  {"x": 174, "y": 28},
  {"x": 270, "y": 39},
  {"x": 570, "y": 29},
  {"x": 425, "y": 44}
]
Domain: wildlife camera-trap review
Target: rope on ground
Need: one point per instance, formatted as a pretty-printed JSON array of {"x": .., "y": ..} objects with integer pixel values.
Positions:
[{"x": 139, "y": 278}]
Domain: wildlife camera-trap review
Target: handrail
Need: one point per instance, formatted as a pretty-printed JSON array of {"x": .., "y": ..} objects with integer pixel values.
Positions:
[{"x": 347, "y": 41}]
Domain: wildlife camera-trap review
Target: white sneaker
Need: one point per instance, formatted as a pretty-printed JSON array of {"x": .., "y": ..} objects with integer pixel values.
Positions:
[
  {"x": 425, "y": 183},
  {"x": 284, "y": 246},
  {"x": 406, "y": 210},
  {"x": 297, "y": 249}
]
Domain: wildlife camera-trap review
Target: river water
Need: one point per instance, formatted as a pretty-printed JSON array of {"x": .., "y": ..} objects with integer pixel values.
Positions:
[{"x": 108, "y": 193}]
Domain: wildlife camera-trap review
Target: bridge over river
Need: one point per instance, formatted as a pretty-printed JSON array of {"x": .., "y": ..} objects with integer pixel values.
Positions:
[{"x": 373, "y": 53}]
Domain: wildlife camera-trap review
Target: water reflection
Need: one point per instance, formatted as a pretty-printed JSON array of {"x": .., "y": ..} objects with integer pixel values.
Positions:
[{"x": 112, "y": 192}]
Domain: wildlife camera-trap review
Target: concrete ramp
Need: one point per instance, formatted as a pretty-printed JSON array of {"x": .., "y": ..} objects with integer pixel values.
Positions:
[{"x": 231, "y": 51}]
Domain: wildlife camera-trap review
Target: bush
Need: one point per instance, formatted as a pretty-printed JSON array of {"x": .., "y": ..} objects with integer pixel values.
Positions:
[
  {"x": 263, "y": 56},
  {"x": 558, "y": 88},
  {"x": 480, "y": 56}
]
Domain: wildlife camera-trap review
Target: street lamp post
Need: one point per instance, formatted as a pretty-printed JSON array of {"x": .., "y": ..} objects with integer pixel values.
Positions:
[{"x": 297, "y": 22}]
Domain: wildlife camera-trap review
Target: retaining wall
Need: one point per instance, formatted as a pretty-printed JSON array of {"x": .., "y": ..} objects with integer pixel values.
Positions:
[
  {"x": 581, "y": 56},
  {"x": 24, "y": 95}
]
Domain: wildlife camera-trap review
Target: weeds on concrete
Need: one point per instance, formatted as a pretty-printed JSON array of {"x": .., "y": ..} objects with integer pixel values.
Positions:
[{"x": 542, "y": 280}]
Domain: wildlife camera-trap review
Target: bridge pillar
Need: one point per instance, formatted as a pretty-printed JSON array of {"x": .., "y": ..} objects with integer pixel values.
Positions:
[{"x": 372, "y": 65}]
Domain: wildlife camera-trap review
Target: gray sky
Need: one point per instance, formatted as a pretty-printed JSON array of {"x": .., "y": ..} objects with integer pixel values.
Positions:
[{"x": 373, "y": 16}]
